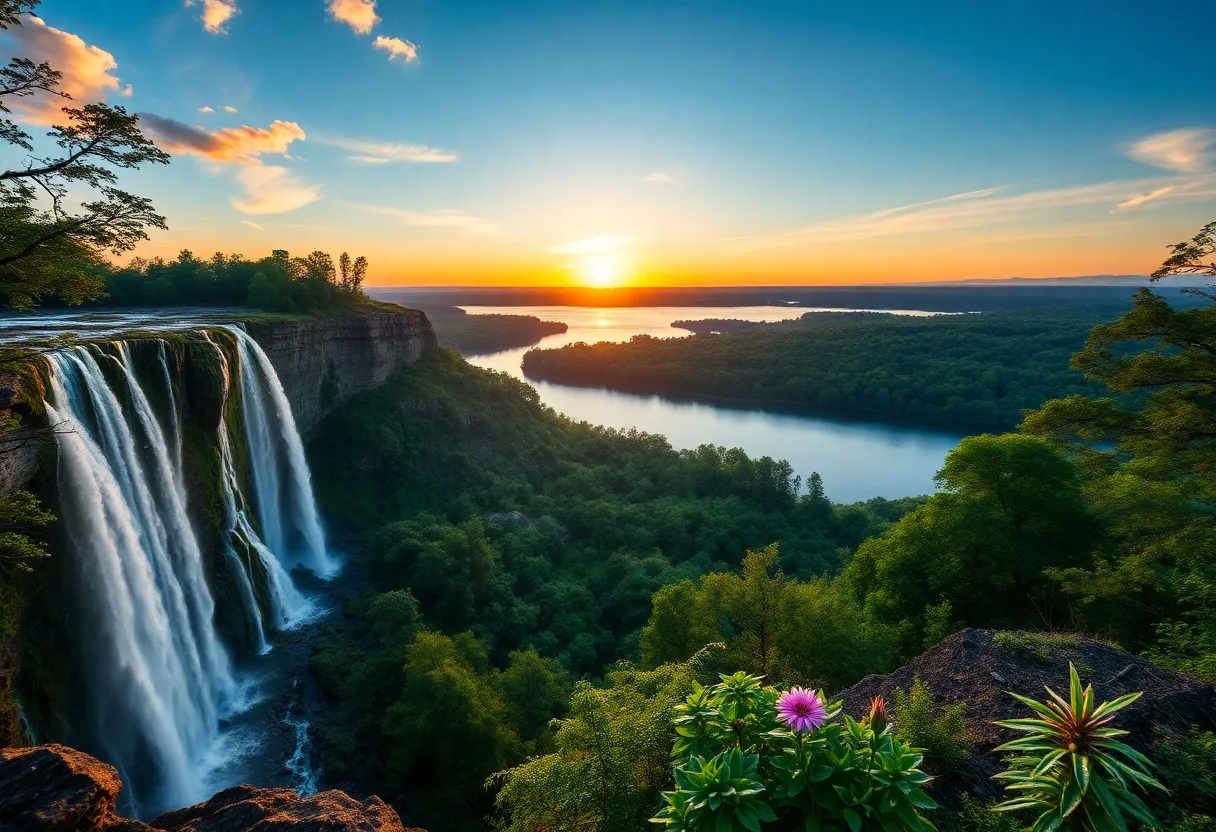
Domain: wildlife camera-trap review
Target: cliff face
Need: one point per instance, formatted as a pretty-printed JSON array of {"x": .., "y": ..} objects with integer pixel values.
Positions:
[{"x": 324, "y": 361}]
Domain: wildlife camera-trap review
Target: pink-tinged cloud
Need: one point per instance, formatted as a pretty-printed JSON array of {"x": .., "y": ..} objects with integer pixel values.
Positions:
[
  {"x": 206, "y": 110},
  {"x": 1140, "y": 199},
  {"x": 271, "y": 189},
  {"x": 87, "y": 70},
  {"x": 232, "y": 145},
  {"x": 359, "y": 15},
  {"x": 1186, "y": 151},
  {"x": 397, "y": 48},
  {"x": 216, "y": 14}
]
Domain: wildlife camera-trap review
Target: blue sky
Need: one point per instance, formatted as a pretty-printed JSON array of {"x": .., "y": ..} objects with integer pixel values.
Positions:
[{"x": 687, "y": 142}]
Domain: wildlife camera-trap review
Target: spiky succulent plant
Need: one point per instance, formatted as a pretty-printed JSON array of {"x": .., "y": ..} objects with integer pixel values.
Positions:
[{"x": 1072, "y": 768}]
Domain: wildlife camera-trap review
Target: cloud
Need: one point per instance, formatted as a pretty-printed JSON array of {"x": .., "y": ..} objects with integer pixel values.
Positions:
[
  {"x": 229, "y": 108},
  {"x": 1143, "y": 198},
  {"x": 397, "y": 48},
  {"x": 232, "y": 145},
  {"x": 660, "y": 177},
  {"x": 976, "y": 209},
  {"x": 1185, "y": 151},
  {"x": 206, "y": 110},
  {"x": 468, "y": 225},
  {"x": 380, "y": 153},
  {"x": 87, "y": 70},
  {"x": 595, "y": 245},
  {"x": 360, "y": 15},
  {"x": 216, "y": 13},
  {"x": 253, "y": 225},
  {"x": 271, "y": 189}
]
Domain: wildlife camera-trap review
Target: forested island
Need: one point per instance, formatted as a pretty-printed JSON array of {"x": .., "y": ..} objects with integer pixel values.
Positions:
[
  {"x": 717, "y": 325},
  {"x": 982, "y": 370},
  {"x": 479, "y": 334}
]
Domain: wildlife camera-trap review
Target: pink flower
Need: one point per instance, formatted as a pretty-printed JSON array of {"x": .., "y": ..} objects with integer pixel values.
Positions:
[{"x": 801, "y": 709}]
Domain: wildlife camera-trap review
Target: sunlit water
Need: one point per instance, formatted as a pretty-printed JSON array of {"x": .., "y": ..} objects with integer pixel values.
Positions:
[{"x": 857, "y": 459}]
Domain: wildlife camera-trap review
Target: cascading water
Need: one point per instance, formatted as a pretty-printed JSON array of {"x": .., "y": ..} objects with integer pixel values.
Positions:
[
  {"x": 159, "y": 678},
  {"x": 287, "y": 509}
]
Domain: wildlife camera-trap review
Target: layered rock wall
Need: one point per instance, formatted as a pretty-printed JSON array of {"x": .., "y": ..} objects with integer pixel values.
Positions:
[{"x": 322, "y": 362}]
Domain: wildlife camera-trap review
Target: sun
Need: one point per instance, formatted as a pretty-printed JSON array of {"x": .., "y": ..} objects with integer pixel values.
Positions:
[{"x": 602, "y": 272}]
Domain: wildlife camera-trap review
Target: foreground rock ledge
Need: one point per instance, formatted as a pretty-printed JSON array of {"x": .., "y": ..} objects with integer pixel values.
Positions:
[{"x": 53, "y": 788}]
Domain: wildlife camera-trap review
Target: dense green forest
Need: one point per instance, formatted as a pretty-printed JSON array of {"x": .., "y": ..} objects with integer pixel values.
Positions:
[
  {"x": 519, "y": 567},
  {"x": 480, "y": 334},
  {"x": 982, "y": 370}
]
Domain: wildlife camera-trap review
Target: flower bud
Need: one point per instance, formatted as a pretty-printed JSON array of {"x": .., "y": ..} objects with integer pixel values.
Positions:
[{"x": 878, "y": 720}]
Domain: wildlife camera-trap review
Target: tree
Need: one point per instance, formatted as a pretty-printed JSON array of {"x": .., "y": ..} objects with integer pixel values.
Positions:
[
  {"x": 1009, "y": 508},
  {"x": 46, "y": 248},
  {"x": 357, "y": 274},
  {"x": 344, "y": 275},
  {"x": 1148, "y": 453}
]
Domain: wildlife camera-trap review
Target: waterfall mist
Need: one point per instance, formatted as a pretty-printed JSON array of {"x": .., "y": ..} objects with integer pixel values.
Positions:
[{"x": 155, "y": 674}]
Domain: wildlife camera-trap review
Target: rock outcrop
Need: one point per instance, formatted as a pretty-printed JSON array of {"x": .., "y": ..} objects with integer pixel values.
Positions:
[
  {"x": 324, "y": 361},
  {"x": 53, "y": 788},
  {"x": 980, "y": 668}
]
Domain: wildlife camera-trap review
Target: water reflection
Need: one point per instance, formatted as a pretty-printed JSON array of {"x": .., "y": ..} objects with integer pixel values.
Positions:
[{"x": 856, "y": 459}]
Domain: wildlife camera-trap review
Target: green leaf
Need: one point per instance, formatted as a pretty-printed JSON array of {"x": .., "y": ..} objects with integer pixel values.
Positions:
[
  {"x": 853, "y": 820},
  {"x": 1080, "y": 773},
  {"x": 1048, "y": 822}
]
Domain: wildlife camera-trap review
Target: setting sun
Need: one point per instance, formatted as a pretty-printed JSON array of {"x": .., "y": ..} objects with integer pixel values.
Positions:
[{"x": 602, "y": 272}]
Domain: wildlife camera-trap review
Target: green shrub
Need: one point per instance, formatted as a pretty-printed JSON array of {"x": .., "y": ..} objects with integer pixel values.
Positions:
[
  {"x": 748, "y": 756},
  {"x": 980, "y": 817},
  {"x": 940, "y": 732},
  {"x": 1033, "y": 646}
]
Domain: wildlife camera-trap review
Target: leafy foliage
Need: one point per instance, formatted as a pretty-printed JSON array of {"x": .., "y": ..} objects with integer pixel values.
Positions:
[
  {"x": 940, "y": 732},
  {"x": 737, "y": 767},
  {"x": 764, "y": 619},
  {"x": 611, "y": 760},
  {"x": 278, "y": 283},
  {"x": 1071, "y": 767},
  {"x": 48, "y": 249},
  {"x": 1009, "y": 509}
]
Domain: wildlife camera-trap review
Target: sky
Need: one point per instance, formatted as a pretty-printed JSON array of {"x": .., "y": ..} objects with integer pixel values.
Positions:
[{"x": 669, "y": 142}]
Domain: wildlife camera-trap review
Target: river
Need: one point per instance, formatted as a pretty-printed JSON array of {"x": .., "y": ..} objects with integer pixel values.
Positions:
[{"x": 857, "y": 459}]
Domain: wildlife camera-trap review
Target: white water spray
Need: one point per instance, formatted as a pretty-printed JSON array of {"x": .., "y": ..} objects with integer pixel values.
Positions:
[
  {"x": 282, "y": 484},
  {"x": 157, "y": 677}
]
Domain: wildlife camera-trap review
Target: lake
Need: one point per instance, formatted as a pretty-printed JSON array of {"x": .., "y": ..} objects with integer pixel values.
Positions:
[{"x": 857, "y": 459}]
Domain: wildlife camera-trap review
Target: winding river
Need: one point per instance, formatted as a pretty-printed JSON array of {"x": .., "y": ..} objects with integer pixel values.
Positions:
[{"x": 856, "y": 459}]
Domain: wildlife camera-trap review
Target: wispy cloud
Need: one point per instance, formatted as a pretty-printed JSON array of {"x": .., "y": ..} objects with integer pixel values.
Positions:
[
  {"x": 976, "y": 209},
  {"x": 206, "y": 110},
  {"x": 661, "y": 177},
  {"x": 397, "y": 48},
  {"x": 468, "y": 225},
  {"x": 216, "y": 14},
  {"x": 231, "y": 145},
  {"x": 360, "y": 15},
  {"x": 595, "y": 245},
  {"x": 253, "y": 225},
  {"x": 87, "y": 70},
  {"x": 1140, "y": 199},
  {"x": 1186, "y": 151},
  {"x": 271, "y": 189},
  {"x": 228, "y": 108},
  {"x": 381, "y": 153}
]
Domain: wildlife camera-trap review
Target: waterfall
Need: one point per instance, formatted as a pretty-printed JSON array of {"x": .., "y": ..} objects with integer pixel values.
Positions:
[
  {"x": 286, "y": 507},
  {"x": 156, "y": 676}
]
